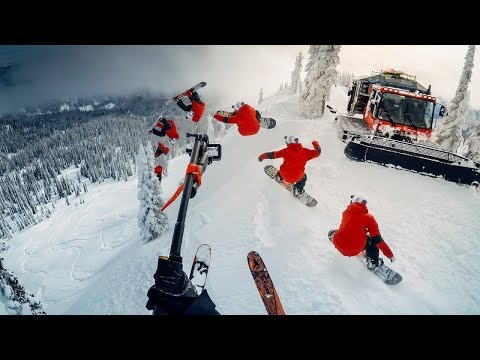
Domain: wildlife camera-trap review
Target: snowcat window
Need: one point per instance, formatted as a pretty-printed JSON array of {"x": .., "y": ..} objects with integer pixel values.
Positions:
[{"x": 406, "y": 111}]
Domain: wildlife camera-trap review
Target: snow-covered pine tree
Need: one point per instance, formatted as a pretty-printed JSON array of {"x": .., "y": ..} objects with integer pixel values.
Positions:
[
  {"x": 210, "y": 128},
  {"x": 471, "y": 148},
  {"x": 4, "y": 227},
  {"x": 462, "y": 111},
  {"x": 17, "y": 300},
  {"x": 260, "y": 99},
  {"x": 345, "y": 78},
  {"x": 471, "y": 121},
  {"x": 321, "y": 76},
  {"x": 448, "y": 133},
  {"x": 295, "y": 87},
  {"x": 150, "y": 219}
]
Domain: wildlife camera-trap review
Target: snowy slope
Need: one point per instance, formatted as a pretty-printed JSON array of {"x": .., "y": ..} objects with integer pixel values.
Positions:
[{"x": 88, "y": 259}]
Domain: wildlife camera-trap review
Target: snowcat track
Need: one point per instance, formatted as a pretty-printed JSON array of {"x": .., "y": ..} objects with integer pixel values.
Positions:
[{"x": 414, "y": 157}]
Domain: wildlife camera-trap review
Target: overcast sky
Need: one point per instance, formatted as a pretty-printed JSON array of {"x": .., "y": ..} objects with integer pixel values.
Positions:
[{"x": 237, "y": 72}]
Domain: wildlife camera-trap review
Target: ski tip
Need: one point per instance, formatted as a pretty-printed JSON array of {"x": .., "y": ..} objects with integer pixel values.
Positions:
[{"x": 253, "y": 259}]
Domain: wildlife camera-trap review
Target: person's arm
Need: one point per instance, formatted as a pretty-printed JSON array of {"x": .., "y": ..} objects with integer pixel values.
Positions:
[
  {"x": 156, "y": 132},
  {"x": 266, "y": 155},
  {"x": 382, "y": 245},
  {"x": 184, "y": 107},
  {"x": 226, "y": 119},
  {"x": 272, "y": 155},
  {"x": 318, "y": 149},
  {"x": 377, "y": 238}
]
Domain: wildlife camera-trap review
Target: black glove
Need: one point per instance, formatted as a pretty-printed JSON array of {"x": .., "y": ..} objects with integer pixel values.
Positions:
[{"x": 173, "y": 292}]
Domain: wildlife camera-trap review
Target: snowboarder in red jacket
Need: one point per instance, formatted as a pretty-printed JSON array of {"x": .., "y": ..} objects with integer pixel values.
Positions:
[
  {"x": 167, "y": 127},
  {"x": 195, "y": 109},
  {"x": 161, "y": 149},
  {"x": 246, "y": 118},
  {"x": 158, "y": 171},
  {"x": 359, "y": 231},
  {"x": 295, "y": 156}
]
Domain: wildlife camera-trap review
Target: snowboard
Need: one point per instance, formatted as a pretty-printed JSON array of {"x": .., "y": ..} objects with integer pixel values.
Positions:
[
  {"x": 265, "y": 122},
  {"x": 200, "y": 265},
  {"x": 384, "y": 272},
  {"x": 332, "y": 110},
  {"x": 264, "y": 284},
  {"x": 183, "y": 94},
  {"x": 305, "y": 198}
]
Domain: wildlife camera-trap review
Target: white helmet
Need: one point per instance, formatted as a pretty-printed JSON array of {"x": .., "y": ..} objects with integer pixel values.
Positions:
[
  {"x": 238, "y": 105},
  {"x": 357, "y": 199},
  {"x": 291, "y": 139},
  {"x": 190, "y": 114}
]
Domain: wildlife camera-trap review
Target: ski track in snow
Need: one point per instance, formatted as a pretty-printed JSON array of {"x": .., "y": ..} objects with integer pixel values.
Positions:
[{"x": 54, "y": 251}]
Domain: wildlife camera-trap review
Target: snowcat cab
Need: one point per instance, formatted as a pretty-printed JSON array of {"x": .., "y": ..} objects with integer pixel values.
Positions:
[
  {"x": 399, "y": 114},
  {"x": 393, "y": 104},
  {"x": 389, "y": 122}
]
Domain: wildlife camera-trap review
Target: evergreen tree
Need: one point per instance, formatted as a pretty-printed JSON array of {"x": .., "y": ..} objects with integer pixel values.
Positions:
[
  {"x": 448, "y": 133},
  {"x": 150, "y": 219},
  {"x": 296, "y": 83},
  {"x": 260, "y": 99},
  {"x": 471, "y": 149},
  {"x": 321, "y": 76}
]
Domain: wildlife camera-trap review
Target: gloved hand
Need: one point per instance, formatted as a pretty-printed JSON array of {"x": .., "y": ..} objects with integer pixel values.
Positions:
[
  {"x": 392, "y": 259},
  {"x": 262, "y": 157},
  {"x": 150, "y": 131},
  {"x": 315, "y": 144}
]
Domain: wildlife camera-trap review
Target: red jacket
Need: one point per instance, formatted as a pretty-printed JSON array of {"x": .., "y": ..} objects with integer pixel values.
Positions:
[
  {"x": 161, "y": 149},
  {"x": 246, "y": 120},
  {"x": 171, "y": 133},
  {"x": 351, "y": 237},
  {"x": 198, "y": 109},
  {"x": 158, "y": 169},
  {"x": 295, "y": 156}
]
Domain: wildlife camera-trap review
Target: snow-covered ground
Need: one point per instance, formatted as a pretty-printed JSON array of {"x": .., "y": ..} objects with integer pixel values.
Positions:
[{"x": 87, "y": 259}]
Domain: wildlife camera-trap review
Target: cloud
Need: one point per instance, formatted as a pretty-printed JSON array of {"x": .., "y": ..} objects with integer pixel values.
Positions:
[
  {"x": 438, "y": 65},
  {"x": 232, "y": 72}
]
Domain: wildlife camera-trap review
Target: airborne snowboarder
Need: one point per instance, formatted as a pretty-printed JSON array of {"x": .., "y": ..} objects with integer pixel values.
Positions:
[
  {"x": 195, "y": 109},
  {"x": 169, "y": 129},
  {"x": 246, "y": 118}
]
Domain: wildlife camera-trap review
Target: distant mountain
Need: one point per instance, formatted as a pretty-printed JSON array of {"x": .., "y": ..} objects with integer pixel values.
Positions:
[{"x": 142, "y": 103}]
